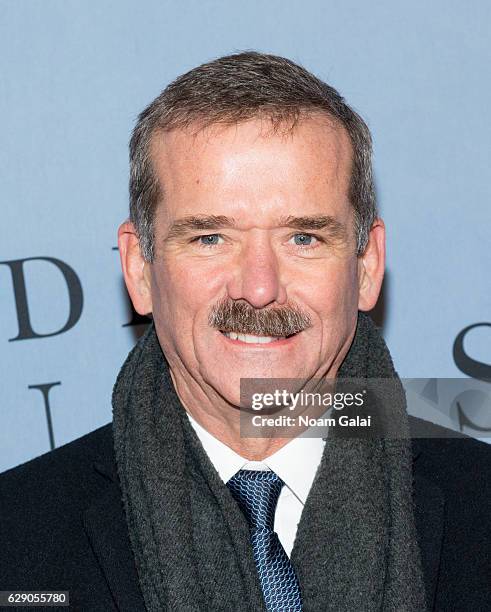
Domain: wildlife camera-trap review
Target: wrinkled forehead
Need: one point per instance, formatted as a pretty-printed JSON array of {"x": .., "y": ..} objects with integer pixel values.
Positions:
[{"x": 249, "y": 161}]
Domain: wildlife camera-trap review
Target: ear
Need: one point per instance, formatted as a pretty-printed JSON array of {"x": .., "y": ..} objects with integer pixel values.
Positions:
[
  {"x": 371, "y": 267},
  {"x": 136, "y": 270}
]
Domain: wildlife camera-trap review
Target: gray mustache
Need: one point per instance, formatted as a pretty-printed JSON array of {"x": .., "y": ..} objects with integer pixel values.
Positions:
[{"x": 241, "y": 317}]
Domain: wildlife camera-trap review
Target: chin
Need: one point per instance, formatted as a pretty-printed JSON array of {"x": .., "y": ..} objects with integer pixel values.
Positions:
[
  {"x": 230, "y": 388},
  {"x": 230, "y": 393}
]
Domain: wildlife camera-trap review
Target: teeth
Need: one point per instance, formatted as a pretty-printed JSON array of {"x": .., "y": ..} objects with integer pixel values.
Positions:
[{"x": 251, "y": 339}]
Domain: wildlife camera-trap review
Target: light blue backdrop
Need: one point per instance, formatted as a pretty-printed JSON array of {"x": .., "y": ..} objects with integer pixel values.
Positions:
[{"x": 74, "y": 75}]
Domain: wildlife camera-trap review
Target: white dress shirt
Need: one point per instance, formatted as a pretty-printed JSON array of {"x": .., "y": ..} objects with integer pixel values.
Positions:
[{"x": 295, "y": 463}]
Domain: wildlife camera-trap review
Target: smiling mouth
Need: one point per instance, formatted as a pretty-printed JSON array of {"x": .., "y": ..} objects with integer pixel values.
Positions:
[{"x": 250, "y": 339}]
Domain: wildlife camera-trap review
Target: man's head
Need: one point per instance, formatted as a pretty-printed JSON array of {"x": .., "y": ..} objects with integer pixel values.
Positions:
[{"x": 252, "y": 211}]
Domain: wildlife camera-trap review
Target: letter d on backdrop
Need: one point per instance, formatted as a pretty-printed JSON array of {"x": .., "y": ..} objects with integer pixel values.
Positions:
[{"x": 75, "y": 296}]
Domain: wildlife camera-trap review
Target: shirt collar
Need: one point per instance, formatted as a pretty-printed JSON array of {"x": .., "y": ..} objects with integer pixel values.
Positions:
[{"x": 295, "y": 463}]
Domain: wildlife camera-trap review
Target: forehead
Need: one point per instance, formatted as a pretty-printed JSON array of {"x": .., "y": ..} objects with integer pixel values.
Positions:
[{"x": 247, "y": 169}]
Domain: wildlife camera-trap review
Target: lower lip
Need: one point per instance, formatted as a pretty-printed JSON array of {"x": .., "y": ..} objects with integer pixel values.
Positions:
[{"x": 260, "y": 345}]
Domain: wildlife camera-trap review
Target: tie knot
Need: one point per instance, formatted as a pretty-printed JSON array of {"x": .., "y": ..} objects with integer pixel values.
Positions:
[{"x": 257, "y": 494}]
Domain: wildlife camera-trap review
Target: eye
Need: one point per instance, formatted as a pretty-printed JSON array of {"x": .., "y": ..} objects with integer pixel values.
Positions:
[
  {"x": 208, "y": 239},
  {"x": 304, "y": 239}
]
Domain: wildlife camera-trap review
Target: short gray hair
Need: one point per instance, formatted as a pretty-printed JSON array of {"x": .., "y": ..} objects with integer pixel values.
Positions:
[{"x": 236, "y": 88}]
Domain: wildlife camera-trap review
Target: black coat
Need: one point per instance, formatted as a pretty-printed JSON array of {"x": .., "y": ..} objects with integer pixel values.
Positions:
[{"x": 62, "y": 525}]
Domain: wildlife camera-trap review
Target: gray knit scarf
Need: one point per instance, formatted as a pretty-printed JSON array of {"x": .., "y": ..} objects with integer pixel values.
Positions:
[{"x": 355, "y": 549}]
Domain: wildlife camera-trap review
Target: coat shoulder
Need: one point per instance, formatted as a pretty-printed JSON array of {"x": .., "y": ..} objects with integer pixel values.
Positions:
[
  {"x": 42, "y": 502},
  {"x": 61, "y": 466},
  {"x": 452, "y": 458},
  {"x": 452, "y": 475}
]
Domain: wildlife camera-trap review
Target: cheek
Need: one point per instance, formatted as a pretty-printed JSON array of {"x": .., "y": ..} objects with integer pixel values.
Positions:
[
  {"x": 333, "y": 292},
  {"x": 182, "y": 292},
  {"x": 336, "y": 305}
]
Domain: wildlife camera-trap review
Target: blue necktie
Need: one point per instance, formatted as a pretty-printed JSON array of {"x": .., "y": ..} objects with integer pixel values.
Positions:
[{"x": 257, "y": 494}]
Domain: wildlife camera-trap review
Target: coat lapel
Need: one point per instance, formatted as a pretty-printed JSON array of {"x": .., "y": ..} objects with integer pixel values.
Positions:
[
  {"x": 429, "y": 504},
  {"x": 105, "y": 525}
]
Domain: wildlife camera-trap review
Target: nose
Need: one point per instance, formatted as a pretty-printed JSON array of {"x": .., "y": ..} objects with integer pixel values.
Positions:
[{"x": 256, "y": 275}]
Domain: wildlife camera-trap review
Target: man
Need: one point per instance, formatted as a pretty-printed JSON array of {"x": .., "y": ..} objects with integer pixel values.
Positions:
[{"x": 255, "y": 244}]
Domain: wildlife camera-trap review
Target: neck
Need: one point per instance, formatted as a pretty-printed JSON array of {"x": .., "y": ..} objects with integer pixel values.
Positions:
[
  {"x": 224, "y": 423},
  {"x": 222, "y": 419}
]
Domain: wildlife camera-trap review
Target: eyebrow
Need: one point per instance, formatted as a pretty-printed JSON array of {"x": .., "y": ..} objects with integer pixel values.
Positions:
[
  {"x": 315, "y": 222},
  {"x": 192, "y": 223},
  {"x": 198, "y": 222}
]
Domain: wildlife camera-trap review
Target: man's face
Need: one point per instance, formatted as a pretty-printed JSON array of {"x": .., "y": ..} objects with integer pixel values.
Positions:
[{"x": 260, "y": 221}]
